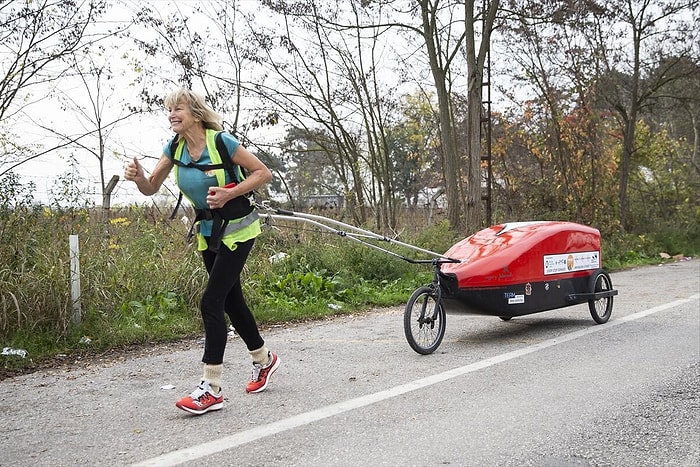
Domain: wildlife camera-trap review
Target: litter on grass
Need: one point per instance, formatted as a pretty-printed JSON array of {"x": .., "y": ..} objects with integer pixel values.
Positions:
[{"x": 16, "y": 352}]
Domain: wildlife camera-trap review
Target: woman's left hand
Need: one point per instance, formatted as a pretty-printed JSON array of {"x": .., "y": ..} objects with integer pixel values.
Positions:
[{"x": 217, "y": 197}]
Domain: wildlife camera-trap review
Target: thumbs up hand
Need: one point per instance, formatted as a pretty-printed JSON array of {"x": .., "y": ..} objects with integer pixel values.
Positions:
[{"x": 133, "y": 170}]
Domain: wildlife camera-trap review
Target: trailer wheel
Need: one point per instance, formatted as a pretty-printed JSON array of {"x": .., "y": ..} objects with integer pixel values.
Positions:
[
  {"x": 600, "y": 309},
  {"x": 424, "y": 321}
]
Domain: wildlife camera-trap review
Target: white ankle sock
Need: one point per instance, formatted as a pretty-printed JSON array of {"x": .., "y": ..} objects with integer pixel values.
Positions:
[
  {"x": 261, "y": 356},
  {"x": 212, "y": 374}
]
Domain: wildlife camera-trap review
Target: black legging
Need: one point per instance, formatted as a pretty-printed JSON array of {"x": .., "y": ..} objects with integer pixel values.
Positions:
[{"x": 223, "y": 295}]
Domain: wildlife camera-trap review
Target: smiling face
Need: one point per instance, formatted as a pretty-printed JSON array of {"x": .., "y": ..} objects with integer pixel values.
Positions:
[{"x": 181, "y": 118}]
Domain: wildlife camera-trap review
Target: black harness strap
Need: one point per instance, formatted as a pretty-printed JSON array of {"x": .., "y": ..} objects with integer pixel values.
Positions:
[
  {"x": 219, "y": 223},
  {"x": 226, "y": 163}
]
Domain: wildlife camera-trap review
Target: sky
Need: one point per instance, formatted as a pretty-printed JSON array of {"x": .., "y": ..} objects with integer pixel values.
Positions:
[{"x": 143, "y": 137}]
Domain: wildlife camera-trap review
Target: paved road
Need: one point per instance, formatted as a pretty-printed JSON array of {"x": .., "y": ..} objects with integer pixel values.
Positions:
[{"x": 550, "y": 389}]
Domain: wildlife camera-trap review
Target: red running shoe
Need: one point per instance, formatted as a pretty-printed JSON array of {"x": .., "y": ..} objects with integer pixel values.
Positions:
[
  {"x": 261, "y": 374},
  {"x": 201, "y": 400}
]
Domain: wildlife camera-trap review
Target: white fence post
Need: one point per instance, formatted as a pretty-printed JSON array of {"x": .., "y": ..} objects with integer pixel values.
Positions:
[{"x": 75, "y": 278}]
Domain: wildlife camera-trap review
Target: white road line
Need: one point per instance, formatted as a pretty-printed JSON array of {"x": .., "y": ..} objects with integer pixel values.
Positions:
[{"x": 238, "y": 439}]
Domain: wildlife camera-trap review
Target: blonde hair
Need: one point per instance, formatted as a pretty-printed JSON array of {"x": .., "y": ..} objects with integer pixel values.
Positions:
[{"x": 198, "y": 106}]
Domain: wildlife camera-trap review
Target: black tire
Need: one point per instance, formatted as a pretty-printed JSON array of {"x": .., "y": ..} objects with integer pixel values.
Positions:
[
  {"x": 600, "y": 309},
  {"x": 424, "y": 335},
  {"x": 505, "y": 318}
]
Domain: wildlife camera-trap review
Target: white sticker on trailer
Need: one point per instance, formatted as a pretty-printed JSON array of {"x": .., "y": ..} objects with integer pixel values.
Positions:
[
  {"x": 569, "y": 262},
  {"x": 516, "y": 299}
]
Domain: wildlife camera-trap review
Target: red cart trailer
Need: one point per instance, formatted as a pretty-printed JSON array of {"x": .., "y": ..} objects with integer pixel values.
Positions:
[
  {"x": 506, "y": 270},
  {"x": 509, "y": 270}
]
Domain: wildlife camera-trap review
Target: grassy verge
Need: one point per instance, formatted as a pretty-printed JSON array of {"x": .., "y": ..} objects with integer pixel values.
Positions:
[{"x": 141, "y": 282}]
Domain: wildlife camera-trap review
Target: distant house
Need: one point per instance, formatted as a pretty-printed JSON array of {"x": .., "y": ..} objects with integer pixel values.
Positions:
[{"x": 324, "y": 202}]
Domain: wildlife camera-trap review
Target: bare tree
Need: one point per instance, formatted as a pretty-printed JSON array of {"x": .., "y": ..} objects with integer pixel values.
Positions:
[
  {"x": 374, "y": 100},
  {"x": 36, "y": 37},
  {"x": 332, "y": 83},
  {"x": 98, "y": 112},
  {"x": 39, "y": 43},
  {"x": 208, "y": 47},
  {"x": 447, "y": 30}
]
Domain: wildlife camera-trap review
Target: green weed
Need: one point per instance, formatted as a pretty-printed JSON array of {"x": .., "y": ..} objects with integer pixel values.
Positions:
[{"x": 141, "y": 282}]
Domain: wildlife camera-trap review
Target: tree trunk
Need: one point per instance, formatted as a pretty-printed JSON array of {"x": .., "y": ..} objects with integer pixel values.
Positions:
[
  {"x": 451, "y": 165},
  {"x": 630, "y": 124},
  {"x": 624, "y": 170},
  {"x": 473, "y": 193},
  {"x": 476, "y": 61}
]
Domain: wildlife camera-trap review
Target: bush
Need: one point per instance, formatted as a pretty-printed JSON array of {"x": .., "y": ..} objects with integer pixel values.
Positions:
[{"x": 623, "y": 250}]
